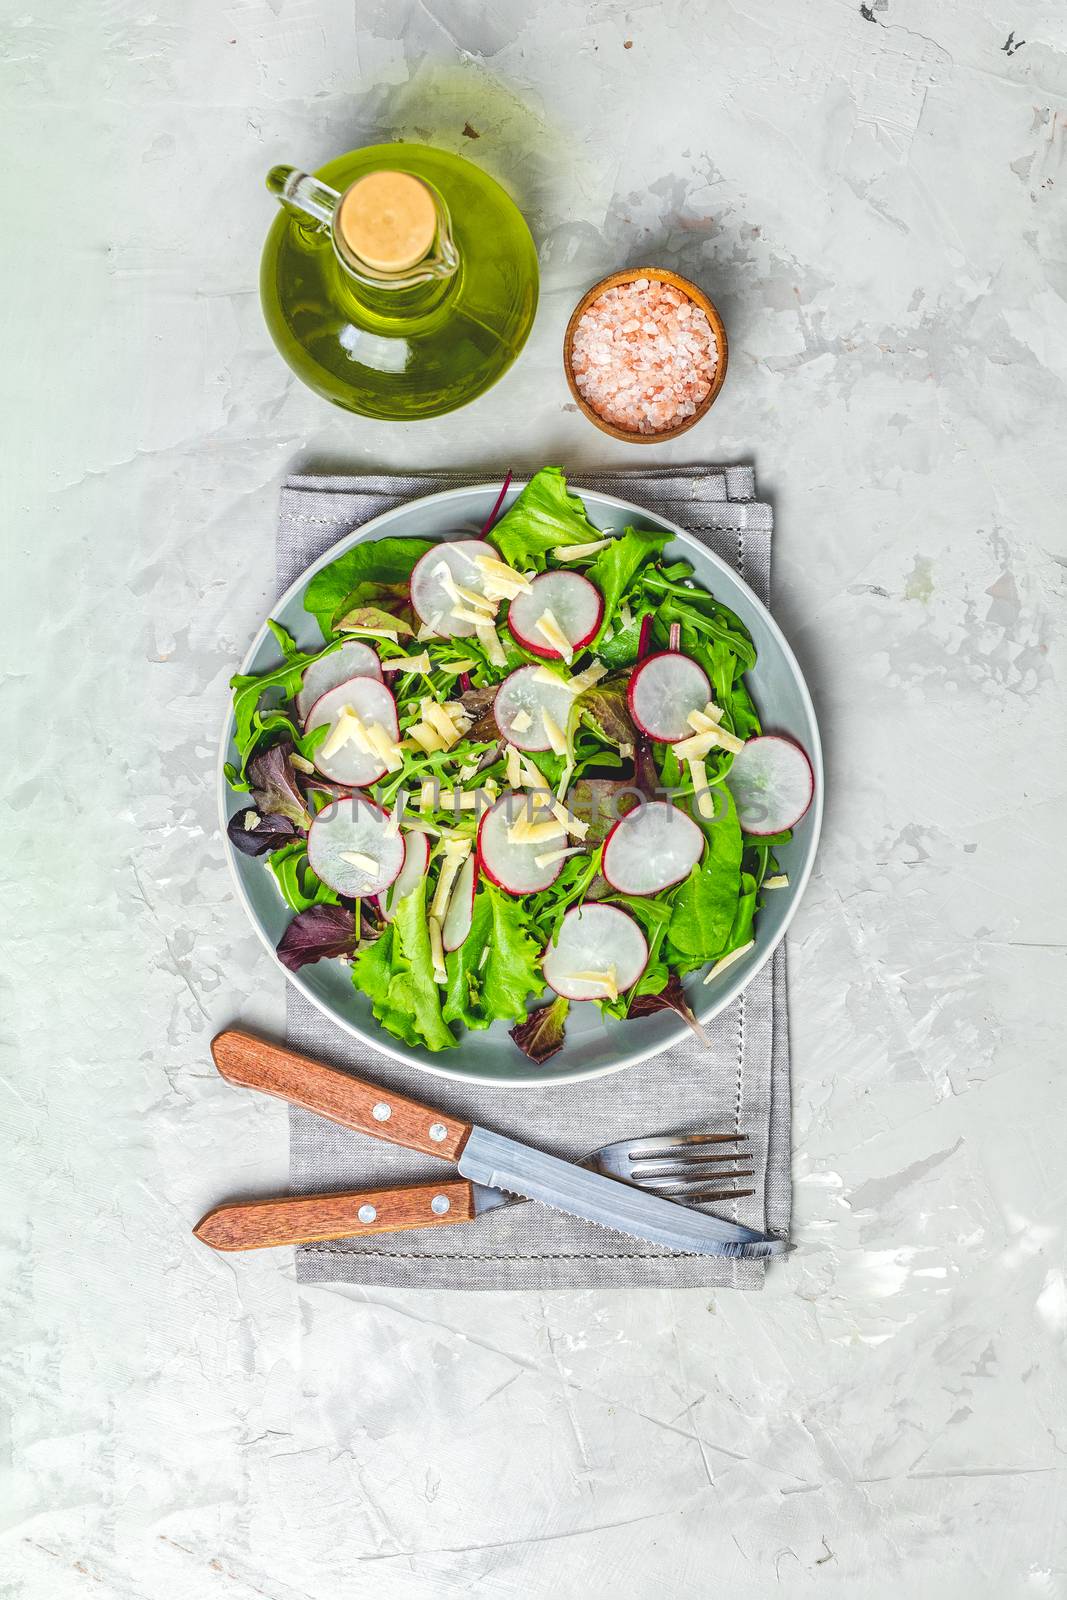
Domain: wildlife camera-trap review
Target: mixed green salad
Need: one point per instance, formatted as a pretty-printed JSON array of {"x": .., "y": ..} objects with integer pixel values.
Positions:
[{"x": 523, "y": 771}]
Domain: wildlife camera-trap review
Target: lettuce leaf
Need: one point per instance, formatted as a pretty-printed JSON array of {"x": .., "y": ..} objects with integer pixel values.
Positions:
[
  {"x": 275, "y": 787},
  {"x": 477, "y": 992},
  {"x": 300, "y": 886},
  {"x": 616, "y": 567},
  {"x": 270, "y": 832},
  {"x": 543, "y": 1032},
  {"x": 707, "y": 902},
  {"x": 376, "y": 570},
  {"x": 317, "y": 932},
  {"x": 545, "y": 515},
  {"x": 396, "y": 975}
]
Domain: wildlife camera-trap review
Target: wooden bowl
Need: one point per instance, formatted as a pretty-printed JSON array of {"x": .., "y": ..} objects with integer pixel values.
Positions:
[{"x": 699, "y": 298}]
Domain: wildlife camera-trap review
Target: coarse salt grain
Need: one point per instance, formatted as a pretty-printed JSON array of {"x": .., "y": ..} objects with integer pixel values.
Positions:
[{"x": 644, "y": 356}]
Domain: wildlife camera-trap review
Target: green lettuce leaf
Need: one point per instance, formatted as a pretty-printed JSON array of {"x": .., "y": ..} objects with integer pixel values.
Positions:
[
  {"x": 616, "y": 567},
  {"x": 396, "y": 975},
  {"x": 706, "y": 903},
  {"x": 545, "y": 515},
  {"x": 622, "y": 649},
  {"x": 479, "y": 993},
  {"x": 301, "y": 887},
  {"x": 371, "y": 571}
]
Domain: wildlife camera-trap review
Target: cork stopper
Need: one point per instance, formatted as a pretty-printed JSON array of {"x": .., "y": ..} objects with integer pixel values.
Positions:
[{"x": 388, "y": 220}]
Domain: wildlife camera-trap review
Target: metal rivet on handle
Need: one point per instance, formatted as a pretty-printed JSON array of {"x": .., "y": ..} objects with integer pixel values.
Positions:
[
  {"x": 440, "y": 1204},
  {"x": 381, "y": 1112},
  {"x": 438, "y": 1132},
  {"x": 366, "y": 1214}
]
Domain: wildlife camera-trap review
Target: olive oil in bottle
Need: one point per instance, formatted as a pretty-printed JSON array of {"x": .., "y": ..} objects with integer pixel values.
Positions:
[{"x": 399, "y": 281}]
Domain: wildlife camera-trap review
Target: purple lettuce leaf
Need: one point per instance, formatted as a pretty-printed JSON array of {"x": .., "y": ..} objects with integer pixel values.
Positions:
[
  {"x": 275, "y": 787},
  {"x": 269, "y": 832},
  {"x": 605, "y": 705},
  {"x": 541, "y": 1035},
  {"x": 670, "y": 998}
]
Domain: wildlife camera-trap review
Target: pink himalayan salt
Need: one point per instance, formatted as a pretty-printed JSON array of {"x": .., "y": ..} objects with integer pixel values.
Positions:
[{"x": 644, "y": 356}]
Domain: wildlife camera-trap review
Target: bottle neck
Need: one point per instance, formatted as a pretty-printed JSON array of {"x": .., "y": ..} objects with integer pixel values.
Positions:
[
  {"x": 388, "y": 287},
  {"x": 390, "y": 305}
]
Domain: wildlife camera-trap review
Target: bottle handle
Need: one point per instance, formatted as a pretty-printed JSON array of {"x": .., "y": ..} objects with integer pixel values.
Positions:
[{"x": 303, "y": 192}]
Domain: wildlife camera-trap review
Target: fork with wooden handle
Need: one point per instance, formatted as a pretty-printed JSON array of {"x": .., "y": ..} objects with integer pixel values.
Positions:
[{"x": 303, "y": 1219}]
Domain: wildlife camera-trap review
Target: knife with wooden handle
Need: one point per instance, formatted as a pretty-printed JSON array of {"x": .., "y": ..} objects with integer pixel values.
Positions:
[
  {"x": 310, "y": 1218},
  {"x": 254, "y": 1064},
  {"x": 497, "y": 1167}
]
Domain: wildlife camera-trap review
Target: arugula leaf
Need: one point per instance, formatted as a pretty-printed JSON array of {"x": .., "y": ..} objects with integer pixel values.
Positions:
[
  {"x": 549, "y": 906},
  {"x": 249, "y": 689},
  {"x": 654, "y": 918},
  {"x": 702, "y": 618},
  {"x": 396, "y": 975},
  {"x": 706, "y": 903},
  {"x": 478, "y": 994},
  {"x": 544, "y": 515},
  {"x": 615, "y": 568},
  {"x": 361, "y": 575}
]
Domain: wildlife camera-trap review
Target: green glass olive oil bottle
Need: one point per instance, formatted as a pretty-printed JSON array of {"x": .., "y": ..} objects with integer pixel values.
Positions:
[{"x": 398, "y": 281}]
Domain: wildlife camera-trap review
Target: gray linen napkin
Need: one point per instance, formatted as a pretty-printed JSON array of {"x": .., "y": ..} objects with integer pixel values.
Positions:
[{"x": 742, "y": 1081}]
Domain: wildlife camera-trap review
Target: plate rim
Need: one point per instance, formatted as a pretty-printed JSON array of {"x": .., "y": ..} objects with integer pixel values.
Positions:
[{"x": 525, "y": 1077}]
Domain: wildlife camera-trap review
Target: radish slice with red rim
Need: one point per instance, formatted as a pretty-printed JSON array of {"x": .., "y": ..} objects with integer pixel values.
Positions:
[
  {"x": 524, "y": 698},
  {"x": 651, "y": 848},
  {"x": 663, "y": 691},
  {"x": 431, "y": 601},
  {"x": 353, "y": 660},
  {"x": 772, "y": 784},
  {"x": 595, "y": 939},
  {"x": 460, "y": 913},
  {"x": 511, "y": 866},
  {"x": 351, "y": 764},
  {"x": 416, "y": 860},
  {"x": 355, "y": 847},
  {"x": 575, "y": 603}
]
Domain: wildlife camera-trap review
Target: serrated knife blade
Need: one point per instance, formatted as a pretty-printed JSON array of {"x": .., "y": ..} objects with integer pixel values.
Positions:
[{"x": 497, "y": 1162}]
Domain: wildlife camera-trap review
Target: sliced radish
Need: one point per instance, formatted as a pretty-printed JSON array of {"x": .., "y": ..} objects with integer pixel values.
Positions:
[
  {"x": 353, "y": 660},
  {"x": 651, "y": 848},
  {"x": 371, "y": 701},
  {"x": 772, "y": 784},
  {"x": 522, "y": 699},
  {"x": 355, "y": 848},
  {"x": 575, "y": 603},
  {"x": 460, "y": 913},
  {"x": 594, "y": 939},
  {"x": 663, "y": 690},
  {"x": 430, "y": 599},
  {"x": 416, "y": 860},
  {"x": 513, "y": 867}
]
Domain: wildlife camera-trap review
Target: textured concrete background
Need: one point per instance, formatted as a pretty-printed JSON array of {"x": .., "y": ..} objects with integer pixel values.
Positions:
[{"x": 874, "y": 196}]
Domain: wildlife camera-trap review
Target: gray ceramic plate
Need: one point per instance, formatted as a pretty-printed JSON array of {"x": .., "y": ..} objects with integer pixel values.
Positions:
[{"x": 593, "y": 1045}]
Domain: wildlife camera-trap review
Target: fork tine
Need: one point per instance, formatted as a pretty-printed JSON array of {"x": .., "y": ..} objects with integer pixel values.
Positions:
[
  {"x": 664, "y": 1169},
  {"x": 691, "y": 1185},
  {"x": 682, "y": 1147},
  {"x": 718, "y": 1196}
]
